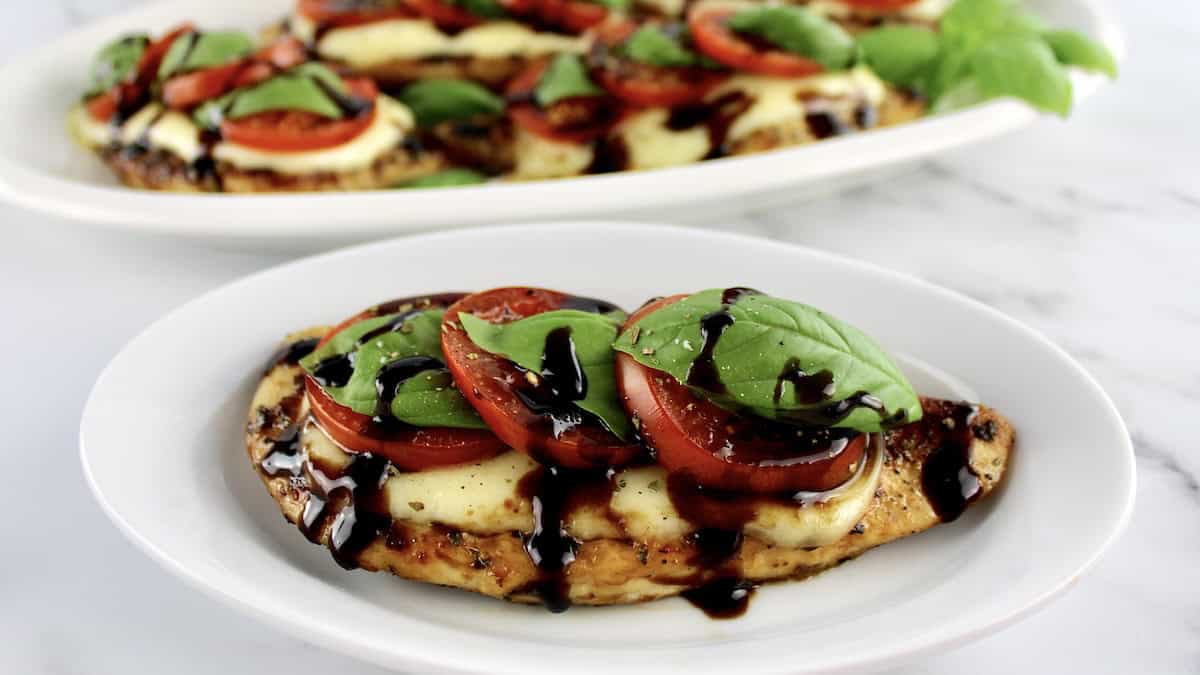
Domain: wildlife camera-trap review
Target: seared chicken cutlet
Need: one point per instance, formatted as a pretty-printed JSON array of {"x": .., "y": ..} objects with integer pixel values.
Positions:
[{"x": 641, "y": 529}]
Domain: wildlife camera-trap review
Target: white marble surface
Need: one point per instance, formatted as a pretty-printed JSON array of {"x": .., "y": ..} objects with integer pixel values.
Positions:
[{"x": 1089, "y": 231}]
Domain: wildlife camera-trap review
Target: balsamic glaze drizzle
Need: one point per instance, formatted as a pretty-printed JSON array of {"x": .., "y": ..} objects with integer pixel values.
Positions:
[
  {"x": 291, "y": 353},
  {"x": 350, "y": 504},
  {"x": 703, "y": 371},
  {"x": 550, "y": 547},
  {"x": 949, "y": 482},
  {"x": 397, "y": 372}
]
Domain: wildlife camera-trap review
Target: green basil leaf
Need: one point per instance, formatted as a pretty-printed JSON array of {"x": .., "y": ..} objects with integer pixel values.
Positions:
[
  {"x": 770, "y": 346},
  {"x": 114, "y": 62},
  {"x": 614, "y": 5},
  {"x": 301, "y": 88},
  {"x": 429, "y": 398},
  {"x": 650, "y": 45},
  {"x": 566, "y": 77},
  {"x": 1074, "y": 49},
  {"x": 193, "y": 51},
  {"x": 440, "y": 100},
  {"x": 799, "y": 31},
  {"x": 524, "y": 343},
  {"x": 968, "y": 23},
  {"x": 962, "y": 95},
  {"x": 487, "y": 9},
  {"x": 1023, "y": 67},
  {"x": 902, "y": 55},
  {"x": 448, "y": 178}
]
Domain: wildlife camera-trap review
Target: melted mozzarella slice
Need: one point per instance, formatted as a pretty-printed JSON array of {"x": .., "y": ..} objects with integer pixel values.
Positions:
[
  {"x": 538, "y": 157},
  {"x": 391, "y": 123},
  {"x": 650, "y": 144},
  {"x": 381, "y": 42},
  {"x": 647, "y": 513},
  {"x": 779, "y": 102},
  {"x": 484, "y": 498}
]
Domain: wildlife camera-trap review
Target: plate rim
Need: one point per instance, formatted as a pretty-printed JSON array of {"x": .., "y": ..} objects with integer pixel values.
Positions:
[
  {"x": 205, "y": 216},
  {"x": 322, "y": 634}
]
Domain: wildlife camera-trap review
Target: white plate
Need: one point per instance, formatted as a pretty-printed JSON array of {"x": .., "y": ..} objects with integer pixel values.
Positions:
[
  {"x": 42, "y": 169},
  {"x": 162, "y": 449}
]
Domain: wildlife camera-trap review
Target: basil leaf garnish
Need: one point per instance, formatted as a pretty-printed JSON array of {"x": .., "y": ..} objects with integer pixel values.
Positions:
[
  {"x": 1023, "y": 66},
  {"x": 306, "y": 87},
  {"x": 193, "y": 51},
  {"x": 649, "y": 44},
  {"x": 614, "y": 5},
  {"x": 447, "y": 178},
  {"x": 565, "y": 77},
  {"x": 776, "y": 359},
  {"x": 407, "y": 344},
  {"x": 901, "y": 55},
  {"x": 799, "y": 31},
  {"x": 524, "y": 343},
  {"x": 984, "y": 49},
  {"x": 1074, "y": 49},
  {"x": 440, "y": 100},
  {"x": 114, "y": 62}
]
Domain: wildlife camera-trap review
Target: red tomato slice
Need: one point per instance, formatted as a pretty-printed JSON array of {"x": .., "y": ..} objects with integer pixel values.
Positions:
[
  {"x": 299, "y": 130},
  {"x": 103, "y": 106},
  {"x": 723, "y": 450},
  {"x": 190, "y": 89},
  {"x": 129, "y": 96},
  {"x": 444, "y": 14},
  {"x": 410, "y": 448},
  {"x": 334, "y": 13},
  {"x": 537, "y": 120},
  {"x": 645, "y": 85},
  {"x": 712, "y": 35},
  {"x": 493, "y": 385},
  {"x": 572, "y": 15}
]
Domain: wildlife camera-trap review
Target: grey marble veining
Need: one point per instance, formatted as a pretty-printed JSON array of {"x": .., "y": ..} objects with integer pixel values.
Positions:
[{"x": 1088, "y": 230}]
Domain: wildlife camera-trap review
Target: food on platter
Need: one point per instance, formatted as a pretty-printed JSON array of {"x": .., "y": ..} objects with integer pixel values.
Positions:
[
  {"x": 360, "y": 94},
  {"x": 536, "y": 446}
]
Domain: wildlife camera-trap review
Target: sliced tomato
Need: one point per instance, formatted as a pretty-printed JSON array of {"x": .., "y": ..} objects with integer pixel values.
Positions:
[
  {"x": 283, "y": 53},
  {"x": 645, "y": 85},
  {"x": 299, "y": 130},
  {"x": 572, "y": 15},
  {"x": 723, "y": 450},
  {"x": 103, "y": 106},
  {"x": 712, "y": 35},
  {"x": 191, "y": 89},
  {"x": 573, "y": 120},
  {"x": 495, "y": 386},
  {"x": 340, "y": 14},
  {"x": 129, "y": 96},
  {"x": 410, "y": 448},
  {"x": 147, "y": 68},
  {"x": 444, "y": 14}
]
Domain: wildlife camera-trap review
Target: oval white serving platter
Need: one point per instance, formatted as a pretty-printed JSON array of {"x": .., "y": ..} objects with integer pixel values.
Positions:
[
  {"x": 161, "y": 444},
  {"x": 41, "y": 168}
]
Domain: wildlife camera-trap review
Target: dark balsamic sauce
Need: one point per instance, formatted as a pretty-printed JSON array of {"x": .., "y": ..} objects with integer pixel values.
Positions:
[
  {"x": 291, "y": 353},
  {"x": 550, "y": 547},
  {"x": 947, "y": 479},
  {"x": 396, "y": 373},
  {"x": 724, "y": 598},
  {"x": 824, "y": 124},
  {"x": 703, "y": 371},
  {"x": 808, "y": 388},
  {"x": 334, "y": 371},
  {"x": 349, "y": 503},
  {"x": 561, "y": 383}
]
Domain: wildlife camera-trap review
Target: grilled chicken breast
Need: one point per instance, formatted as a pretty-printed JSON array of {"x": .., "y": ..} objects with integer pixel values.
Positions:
[{"x": 634, "y": 535}]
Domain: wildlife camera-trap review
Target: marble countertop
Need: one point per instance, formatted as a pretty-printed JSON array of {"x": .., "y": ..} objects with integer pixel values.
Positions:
[{"x": 1088, "y": 230}]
